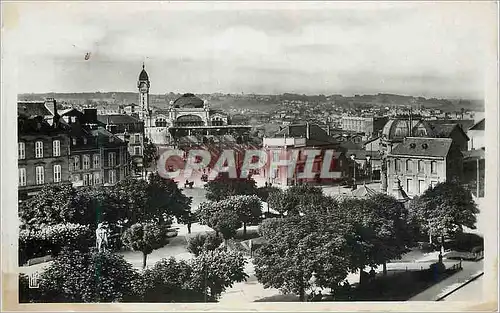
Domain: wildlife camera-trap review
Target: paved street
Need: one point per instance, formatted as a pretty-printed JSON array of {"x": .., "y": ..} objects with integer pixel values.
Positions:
[
  {"x": 470, "y": 292},
  {"x": 469, "y": 269}
]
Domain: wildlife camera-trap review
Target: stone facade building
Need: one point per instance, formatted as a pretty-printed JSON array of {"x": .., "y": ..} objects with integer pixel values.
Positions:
[{"x": 420, "y": 163}]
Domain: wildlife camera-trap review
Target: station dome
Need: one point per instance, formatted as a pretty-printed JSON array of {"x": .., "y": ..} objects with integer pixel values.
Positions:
[
  {"x": 398, "y": 129},
  {"x": 188, "y": 100}
]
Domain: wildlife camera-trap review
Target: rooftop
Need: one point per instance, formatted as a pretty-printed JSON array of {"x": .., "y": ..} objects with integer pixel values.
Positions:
[
  {"x": 478, "y": 126},
  {"x": 430, "y": 147},
  {"x": 117, "y": 119}
]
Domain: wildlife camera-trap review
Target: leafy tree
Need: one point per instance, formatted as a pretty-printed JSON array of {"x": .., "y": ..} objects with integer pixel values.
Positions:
[
  {"x": 217, "y": 270},
  {"x": 264, "y": 192},
  {"x": 87, "y": 277},
  {"x": 296, "y": 199},
  {"x": 165, "y": 198},
  {"x": 445, "y": 209},
  {"x": 169, "y": 280},
  {"x": 223, "y": 186},
  {"x": 203, "y": 242},
  {"x": 150, "y": 154},
  {"x": 248, "y": 209},
  {"x": 297, "y": 247},
  {"x": 52, "y": 239},
  {"x": 47, "y": 207},
  {"x": 380, "y": 229},
  {"x": 145, "y": 237},
  {"x": 220, "y": 216}
]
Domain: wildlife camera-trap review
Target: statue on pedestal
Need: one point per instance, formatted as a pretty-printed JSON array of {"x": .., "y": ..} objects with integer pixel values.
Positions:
[{"x": 102, "y": 233}]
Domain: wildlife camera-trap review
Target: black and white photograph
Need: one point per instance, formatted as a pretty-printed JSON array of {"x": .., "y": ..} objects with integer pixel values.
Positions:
[{"x": 250, "y": 156}]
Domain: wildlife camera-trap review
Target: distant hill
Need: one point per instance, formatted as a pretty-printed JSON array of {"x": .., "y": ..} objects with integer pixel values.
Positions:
[{"x": 261, "y": 102}]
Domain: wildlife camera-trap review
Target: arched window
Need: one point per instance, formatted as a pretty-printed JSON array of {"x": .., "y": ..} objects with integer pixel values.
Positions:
[
  {"x": 420, "y": 166},
  {"x": 433, "y": 167},
  {"x": 409, "y": 165}
]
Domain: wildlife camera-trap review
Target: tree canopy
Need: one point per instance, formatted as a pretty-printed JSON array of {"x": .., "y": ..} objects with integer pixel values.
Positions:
[
  {"x": 223, "y": 187},
  {"x": 445, "y": 209}
]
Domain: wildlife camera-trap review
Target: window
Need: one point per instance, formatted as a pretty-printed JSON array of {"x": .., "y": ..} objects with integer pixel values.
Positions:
[
  {"x": 408, "y": 185},
  {"x": 433, "y": 183},
  {"x": 39, "y": 175},
  {"x": 421, "y": 186},
  {"x": 39, "y": 149},
  {"x": 112, "y": 176},
  {"x": 22, "y": 176},
  {"x": 409, "y": 165},
  {"x": 397, "y": 165},
  {"x": 433, "y": 167},
  {"x": 96, "y": 160},
  {"x": 137, "y": 138},
  {"x": 21, "y": 150},
  {"x": 87, "y": 180},
  {"x": 420, "y": 166},
  {"x": 86, "y": 162},
  {"x": 111, "y": 158},
  {"x": 74, "y": 141},
  {"x": 76, "y": 162},
  {"x": 97, "y": 178},
  {"x": 57, "y": 173},
  {"x": 137, "y": 150},
  {"x": 56, "y": 148}
]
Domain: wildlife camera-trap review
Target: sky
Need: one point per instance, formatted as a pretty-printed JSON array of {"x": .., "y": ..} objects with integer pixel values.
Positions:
[{"x": 425, "y": 49}]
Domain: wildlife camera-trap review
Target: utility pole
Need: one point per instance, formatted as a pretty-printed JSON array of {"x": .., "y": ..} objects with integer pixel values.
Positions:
[{"x": 477, "y": 177}]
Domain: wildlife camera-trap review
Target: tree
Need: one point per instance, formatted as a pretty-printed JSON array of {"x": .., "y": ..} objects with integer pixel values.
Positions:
[
  {"x": 150, "y": 154},
  {"x": 445, "y": 209},
  {"x": 220, "y": 216},
  {"x": 87, "y": 277},
  {"x": 379, "y": 228},
  {"x": 203, "y": 242},
  {"x": 264, "y": 192},
  {"x": 169, "y": 280},
  {"x": 248, "y": 209},
  {"x": 297, "y": 247},
  {"x": 296, "y": 199},
  {"x": 223, "y": 187},
  {"x": 47, "y": 207},
  {"x": 145, "y": 237},
  {"x": 217, "y": 270}
]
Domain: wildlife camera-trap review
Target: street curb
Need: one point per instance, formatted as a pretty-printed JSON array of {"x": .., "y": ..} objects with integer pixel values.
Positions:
[{"x": 473, "y": 278}]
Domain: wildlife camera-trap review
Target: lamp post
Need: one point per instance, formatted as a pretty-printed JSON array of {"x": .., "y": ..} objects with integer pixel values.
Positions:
[
  {"x": 353, "y": 158},
  {"x": 369, "y": 166}
]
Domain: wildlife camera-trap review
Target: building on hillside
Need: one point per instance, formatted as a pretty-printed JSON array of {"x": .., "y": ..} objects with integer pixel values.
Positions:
[
  {"x": 476, "y": 135},
  {"x": 129, "y": 130},
  {"x": 453, "y": 131},
  {"x": 420, "y": 163},
  {"x": 43, "y": 148},
  {"x": 367, "y": 125},
  {"x": 300, "y": 138}
]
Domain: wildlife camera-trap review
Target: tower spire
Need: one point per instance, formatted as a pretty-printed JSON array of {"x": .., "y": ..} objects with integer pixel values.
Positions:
[{"x": 143, "y": 65}]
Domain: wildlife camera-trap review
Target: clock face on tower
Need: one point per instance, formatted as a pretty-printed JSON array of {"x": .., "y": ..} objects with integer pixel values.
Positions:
[{"x": 143, "y": 88}]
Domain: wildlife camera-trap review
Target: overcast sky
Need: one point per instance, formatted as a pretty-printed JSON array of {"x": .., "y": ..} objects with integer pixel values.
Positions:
[{"x": 418, "y": 49}]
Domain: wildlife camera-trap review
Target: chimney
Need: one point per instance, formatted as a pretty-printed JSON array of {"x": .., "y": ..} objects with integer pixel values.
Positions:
[{"x": 307, "y": 130}]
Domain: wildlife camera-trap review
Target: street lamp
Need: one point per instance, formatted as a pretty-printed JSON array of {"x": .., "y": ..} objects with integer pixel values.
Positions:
[
  {"x": 369, "y": 166},
  {"x": 353, "y": 158}
]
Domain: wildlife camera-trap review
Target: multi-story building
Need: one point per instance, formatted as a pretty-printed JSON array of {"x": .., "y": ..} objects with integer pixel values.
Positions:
[
  {"x": 476, "y": 135},
  {"x": 43, "y": 148},
  {"x": 130, "y": 130},
  {"x": 300, "y": 138},
  {"x": 367, "y": 125},
  {"x": 453, "y": 131},
  {"x": 66, "y": 146},
  {"x": 419, "y": 163}
]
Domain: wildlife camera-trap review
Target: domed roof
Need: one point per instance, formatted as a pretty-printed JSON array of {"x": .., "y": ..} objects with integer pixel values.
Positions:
[
  {"x": 188, "y": 100},
  {"x": 398, "y": 129},
  {"x": 143, "y": 75}
]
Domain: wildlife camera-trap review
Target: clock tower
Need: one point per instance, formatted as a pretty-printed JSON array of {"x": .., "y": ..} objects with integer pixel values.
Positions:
[{"x": 143, "y": 84}]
